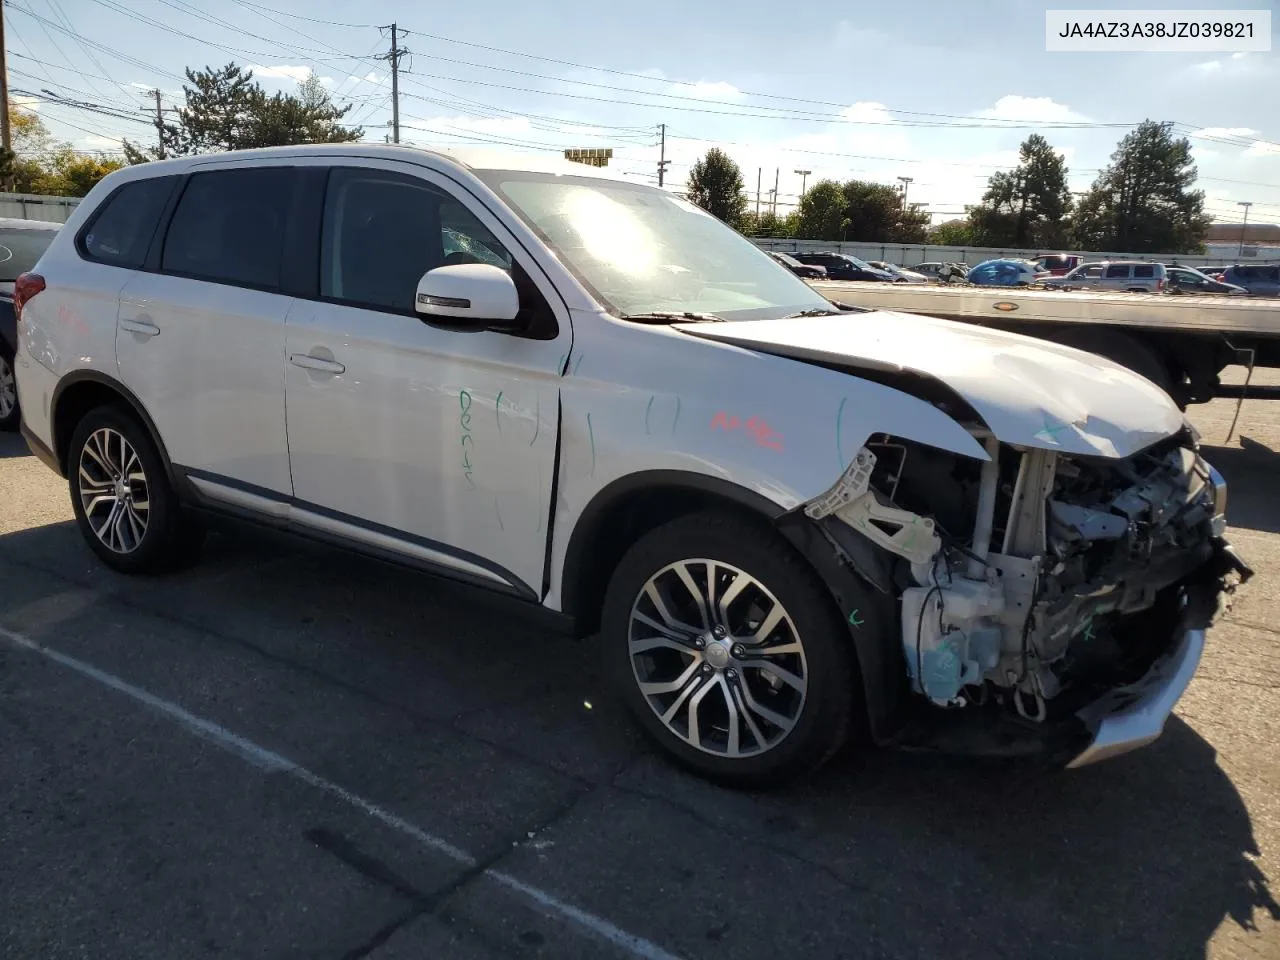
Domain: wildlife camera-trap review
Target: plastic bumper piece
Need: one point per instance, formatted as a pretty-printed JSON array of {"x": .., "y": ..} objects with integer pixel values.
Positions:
[{"x": 1134, "y": 716}]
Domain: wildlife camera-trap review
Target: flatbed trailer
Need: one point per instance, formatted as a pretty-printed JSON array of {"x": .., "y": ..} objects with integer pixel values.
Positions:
[{"x": 1180, "y": 342}]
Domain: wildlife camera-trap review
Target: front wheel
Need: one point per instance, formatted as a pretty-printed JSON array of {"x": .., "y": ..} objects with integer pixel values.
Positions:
[{"x": 728, "y": 650}]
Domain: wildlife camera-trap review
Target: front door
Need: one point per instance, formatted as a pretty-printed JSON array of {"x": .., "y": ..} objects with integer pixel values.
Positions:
[
  {"x": 200, "y": 341},
  {"x": 428, "y": 441}
]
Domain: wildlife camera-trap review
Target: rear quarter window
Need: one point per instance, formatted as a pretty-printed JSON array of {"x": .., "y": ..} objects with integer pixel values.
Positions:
[
  {"x": 1118, "y": 272},
  {"x": 1144, "y": 271},
  {"x": 120, "y": 232}
]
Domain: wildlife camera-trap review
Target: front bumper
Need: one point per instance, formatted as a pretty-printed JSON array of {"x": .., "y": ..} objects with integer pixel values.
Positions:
[{"x": 1134, "y": 715}]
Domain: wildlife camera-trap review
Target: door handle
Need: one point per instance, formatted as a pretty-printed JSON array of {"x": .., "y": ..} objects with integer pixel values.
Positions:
[
  {"x": 144, "y": 327},
  {"x": 308, "y": 362}
]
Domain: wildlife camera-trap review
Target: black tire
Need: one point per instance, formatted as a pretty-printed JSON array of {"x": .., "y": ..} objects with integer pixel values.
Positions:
[
  {"x": 9, "y": 421},
  {"x": 170, "y": 540},
  {"x": 823, "y": 719}
]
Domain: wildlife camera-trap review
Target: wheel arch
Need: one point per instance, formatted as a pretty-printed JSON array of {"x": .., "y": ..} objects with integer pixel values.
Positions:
[
  {"x": 626, "y": 509},
  {"x": 84, "y": 390}
]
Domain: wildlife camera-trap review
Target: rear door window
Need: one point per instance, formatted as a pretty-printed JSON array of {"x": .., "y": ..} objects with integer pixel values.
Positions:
[
  {"x": 1118, "y": 272},
  {"x": 1144, "y": 271},
  {"x": 121, "y": 231},
  {"x": 229, "y": 227},
  {"x": 20, "y": 249}
]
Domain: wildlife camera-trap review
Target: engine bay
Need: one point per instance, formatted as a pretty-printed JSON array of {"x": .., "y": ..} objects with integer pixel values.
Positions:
[{"x": 1034, "y": 579}]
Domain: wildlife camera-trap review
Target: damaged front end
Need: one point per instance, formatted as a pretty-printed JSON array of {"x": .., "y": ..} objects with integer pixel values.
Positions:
[{"x": 1048, "y": 603}]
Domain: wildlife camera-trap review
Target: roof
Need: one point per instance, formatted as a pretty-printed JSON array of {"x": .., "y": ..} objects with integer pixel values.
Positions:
[
  {"x": 471, "y": 158},
  {"x": 1253, "y": 233}
]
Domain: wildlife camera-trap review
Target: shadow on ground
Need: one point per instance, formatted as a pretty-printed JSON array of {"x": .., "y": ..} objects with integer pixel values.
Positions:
[
  {"x": 1143, "y": 856},
  {"x": 12, "y": 445},
  {"x": 1252, "y": 472}
]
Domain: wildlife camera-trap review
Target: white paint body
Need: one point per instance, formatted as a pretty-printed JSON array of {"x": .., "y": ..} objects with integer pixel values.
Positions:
[{"x": 441, "y": 444}]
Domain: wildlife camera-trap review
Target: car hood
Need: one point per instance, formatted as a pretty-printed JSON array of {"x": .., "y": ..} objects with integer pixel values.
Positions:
[{"x": 1029, "y": 392}]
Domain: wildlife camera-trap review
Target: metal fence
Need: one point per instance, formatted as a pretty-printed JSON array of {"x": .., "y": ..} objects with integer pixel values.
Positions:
[
  {"x": 30, "y": 206},
  {"x": 909, "y": 254}
]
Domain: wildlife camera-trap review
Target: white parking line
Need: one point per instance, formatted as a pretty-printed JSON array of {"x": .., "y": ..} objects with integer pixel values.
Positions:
[{"x": 268, "y": 760}]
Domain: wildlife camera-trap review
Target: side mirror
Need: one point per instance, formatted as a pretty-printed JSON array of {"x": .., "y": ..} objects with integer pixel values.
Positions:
[{"x": 472, "y": 294}]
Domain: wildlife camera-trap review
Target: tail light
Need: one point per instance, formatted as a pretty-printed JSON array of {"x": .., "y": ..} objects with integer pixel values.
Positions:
[
  {"x": 1159, "y": 286},
  {"x": 24, "y": 288}
]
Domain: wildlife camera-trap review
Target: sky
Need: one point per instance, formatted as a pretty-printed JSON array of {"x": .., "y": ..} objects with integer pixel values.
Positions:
[{"x": 942, "y": 93}]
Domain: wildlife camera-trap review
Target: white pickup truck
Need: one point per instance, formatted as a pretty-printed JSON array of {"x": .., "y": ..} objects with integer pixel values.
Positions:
[{"x": 1180, "y": 343}]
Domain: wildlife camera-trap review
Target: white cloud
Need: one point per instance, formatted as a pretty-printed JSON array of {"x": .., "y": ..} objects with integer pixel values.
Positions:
[
  {"x": 1038, "y": 109},
  {"x": 1239, "y": 55},
  {"x": 1218, "y": 132},
  {"x": 1209, "y": 66},
  {"x": 27, "y": 103},
  {"x": 1263, "y": 149},
  {"x": 706, "y": 90},
  {"x": 486, "y": 126},
  {"x": 867, "y": 111},
  {"x": 95, "y": 142},
  {"x": 370, "y": 77},
  {"x": 281, "y": 71}
]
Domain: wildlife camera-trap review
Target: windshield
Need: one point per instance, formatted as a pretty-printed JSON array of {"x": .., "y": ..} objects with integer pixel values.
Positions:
[
  {"x": 640, "y": 250},
  {"x": 20, "y": 248}
]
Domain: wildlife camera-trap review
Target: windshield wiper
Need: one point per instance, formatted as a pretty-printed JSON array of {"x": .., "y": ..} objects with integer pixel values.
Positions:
[{"x": 671, "y": 316}]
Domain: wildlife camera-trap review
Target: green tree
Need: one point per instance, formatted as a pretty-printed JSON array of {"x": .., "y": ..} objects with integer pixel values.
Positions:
[
  {"x": 875, "y": 214},
  {"x": 1028, "y": 205},
  {"x": 766, "y": 224},
  {"x": 715, "y": 184},
  {"x": 1145, "y": 200},
  {"x": 225, "y": 109},
  {"x": 821, "y": 212},
  {"x": 953, "y": 233},
  {"x": 67, "y": 173},
  {"x": 40, "y": 164}
]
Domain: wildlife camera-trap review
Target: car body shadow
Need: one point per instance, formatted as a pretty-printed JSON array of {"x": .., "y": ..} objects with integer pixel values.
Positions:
[
  {"x": 1141, "y": 856},
  {"x": 12, "y": 445},
  {"x": 1251, "y": 471}
]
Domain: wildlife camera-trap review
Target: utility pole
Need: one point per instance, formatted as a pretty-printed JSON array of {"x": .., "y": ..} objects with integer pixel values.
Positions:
[
  {"x": 1246, "y": 204},
  {"x": 759, "y": 171},
  {"x": 4, "y": 88},
  {"x": 804, "y": 178},
  {"x": 776, "y": 172},
  {"x": 393, "y": 56},
  {"x": 905, "y": 181},
  {"x": 159, "y": 120},
  {"x": 662, "y": 154}
]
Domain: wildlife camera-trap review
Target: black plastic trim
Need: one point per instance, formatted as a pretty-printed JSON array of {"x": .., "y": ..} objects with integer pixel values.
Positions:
[
  {"x": 555, "y": 495},
  {"x": 577, "y": 555},
  {"x": 125, "y": 394},
  {"x": 39, "y": 450},
  {"x": 515, "y": 585}
]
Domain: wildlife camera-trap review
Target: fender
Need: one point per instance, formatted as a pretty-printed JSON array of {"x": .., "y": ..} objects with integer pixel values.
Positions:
[{"x": 123, "y": 393}]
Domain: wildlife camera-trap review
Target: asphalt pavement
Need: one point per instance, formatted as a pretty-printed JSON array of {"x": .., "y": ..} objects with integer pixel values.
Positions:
[{"x": 289, "y": 752}]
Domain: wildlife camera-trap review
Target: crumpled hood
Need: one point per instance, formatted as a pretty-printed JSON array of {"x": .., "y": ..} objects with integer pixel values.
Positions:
[{"x": 1030, "y": 392}]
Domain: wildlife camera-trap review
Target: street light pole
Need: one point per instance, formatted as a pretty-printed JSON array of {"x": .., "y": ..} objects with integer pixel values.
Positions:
[
  {"x": 1246, "y": 204},
  {"x": 804, "y": 178},
  {"x": 905, "y": 181}
]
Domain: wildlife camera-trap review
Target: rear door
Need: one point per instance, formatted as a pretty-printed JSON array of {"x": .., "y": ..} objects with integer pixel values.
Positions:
[{"x": 200, "y": 337}]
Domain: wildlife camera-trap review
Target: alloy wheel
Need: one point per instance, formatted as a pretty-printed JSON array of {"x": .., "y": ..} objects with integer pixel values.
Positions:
[
  {"x": 717, "y": 658},
  {"x": 113, "y": 490}
]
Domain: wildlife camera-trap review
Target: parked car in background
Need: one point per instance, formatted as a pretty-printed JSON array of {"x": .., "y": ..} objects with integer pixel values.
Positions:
[
  {"x": 1134, "y": 276},
  {"x": 1214, "y": 273},
  {"x": 806, "y": 270},
  {"x": 1007, "y": 273},
  {"x": 21, "y": 244},
  {"x": 841, "y": 266},
  {"x": 1058, "y": 264},
  {"x": 1260, "y": 279},
  {"x": 1185, "y": 280},
  {"x": 933, "y": 268},
  {"x": 899, "y": 274}
]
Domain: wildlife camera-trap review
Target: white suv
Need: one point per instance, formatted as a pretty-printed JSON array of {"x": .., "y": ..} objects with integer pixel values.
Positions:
[{"x": 783, "y": 519}]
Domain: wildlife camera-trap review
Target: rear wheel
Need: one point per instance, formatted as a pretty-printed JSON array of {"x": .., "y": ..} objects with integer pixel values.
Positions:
[
  {"x": 125, "y": 506},
  {"x": 10, "y": 414},
  {"x": 728, "y": 650}
]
